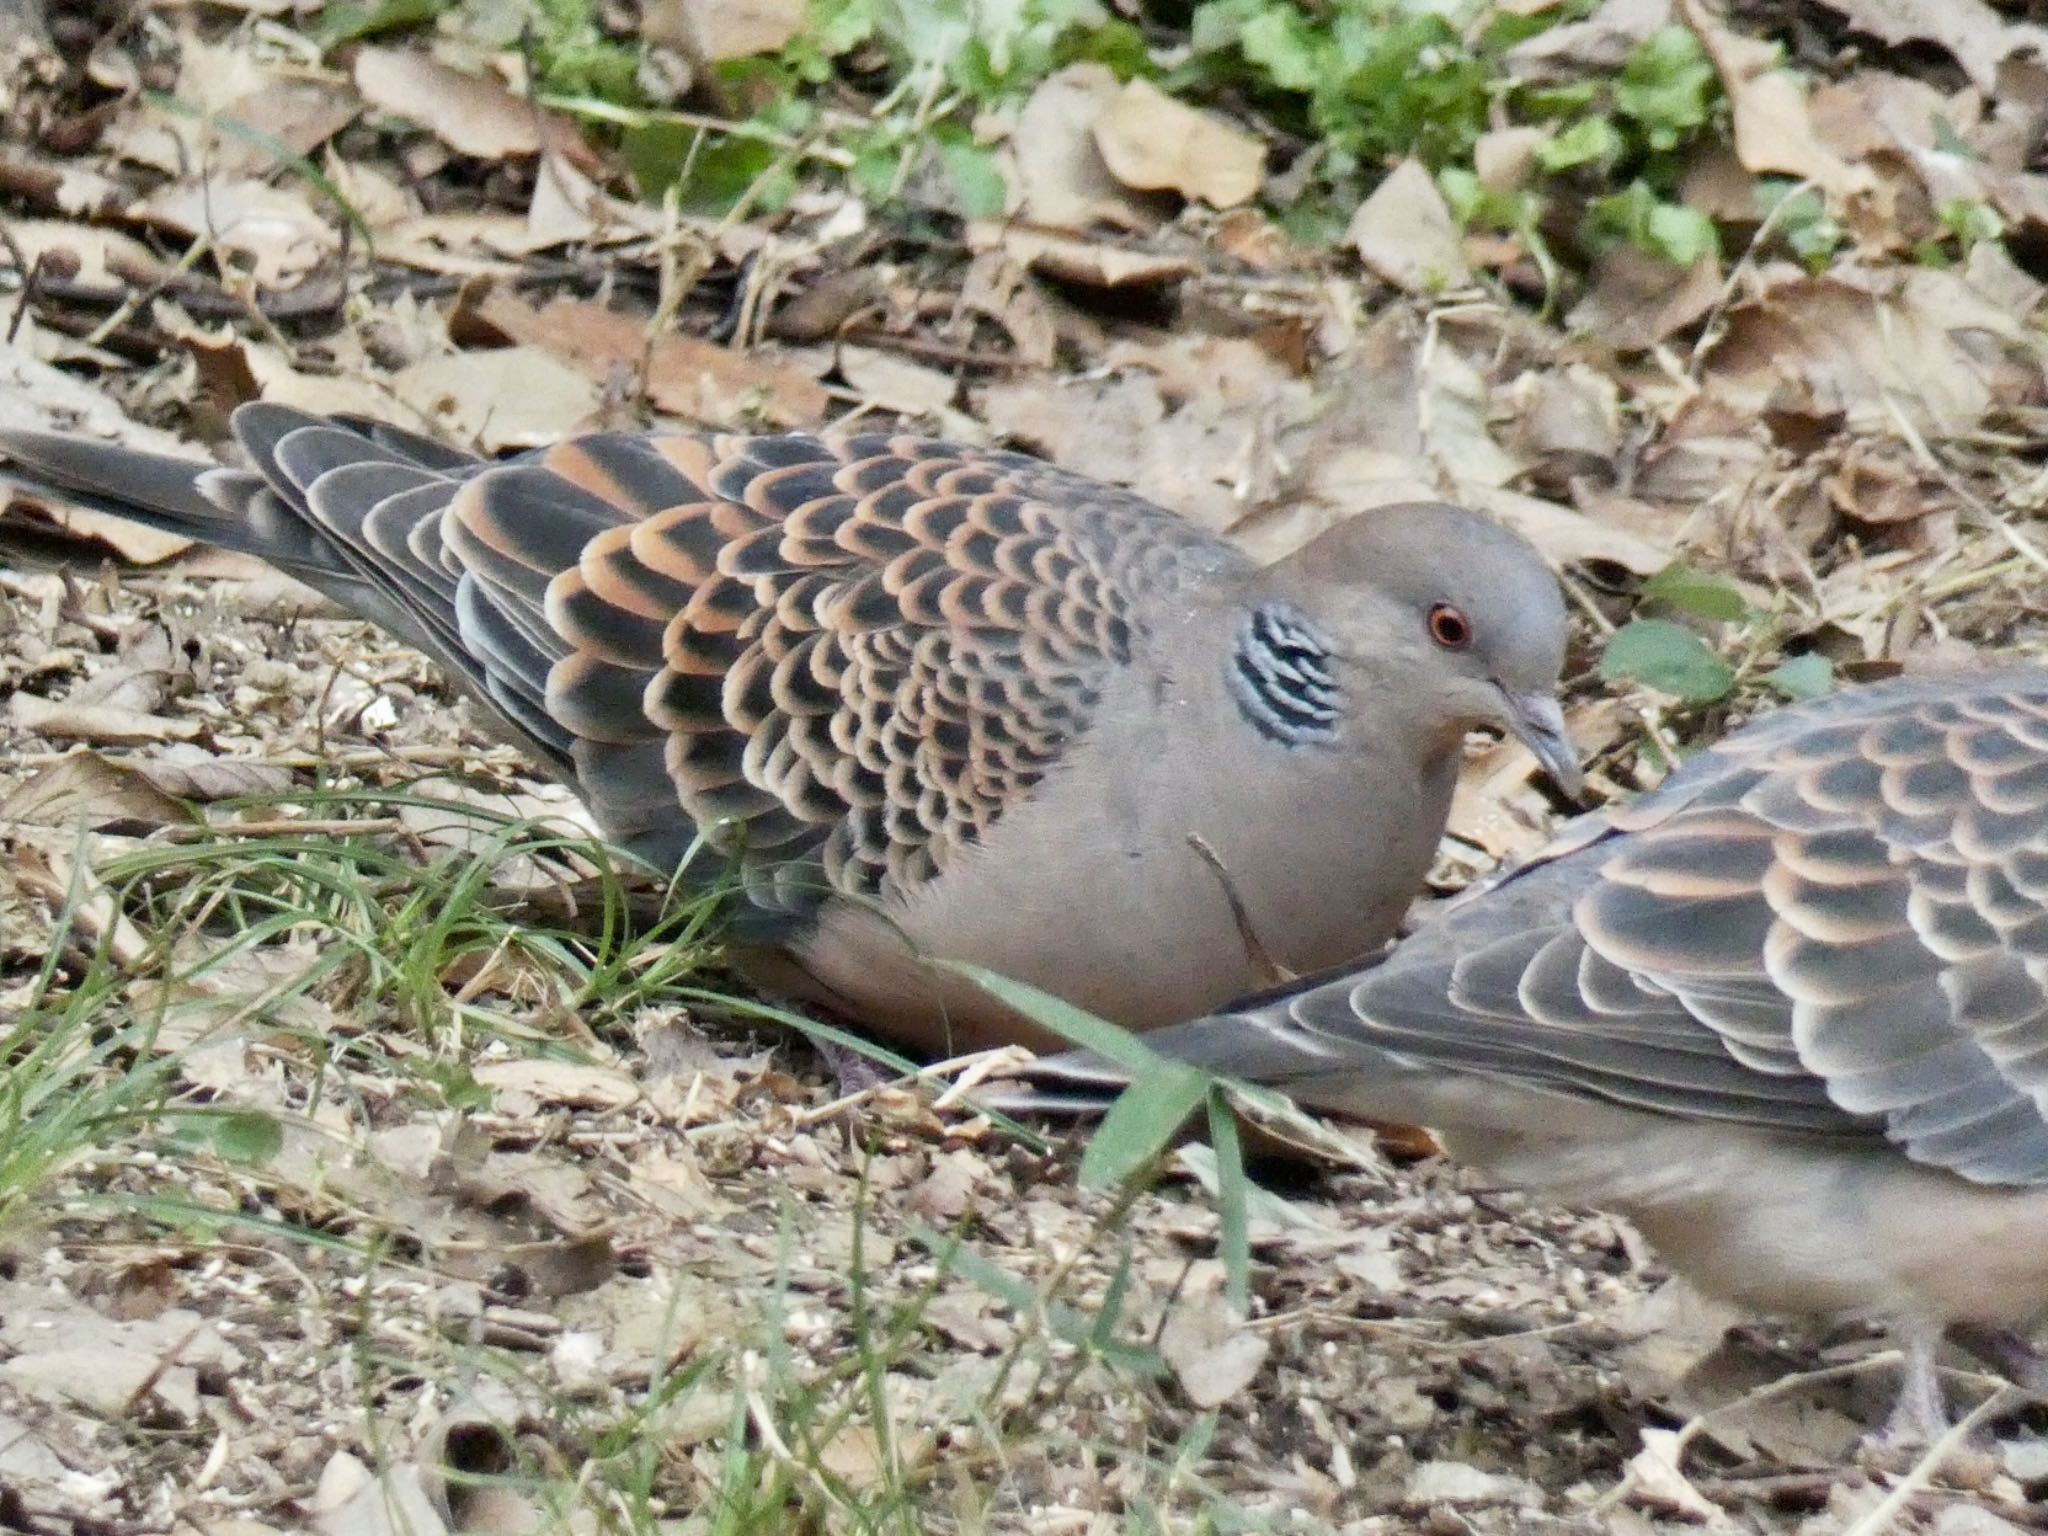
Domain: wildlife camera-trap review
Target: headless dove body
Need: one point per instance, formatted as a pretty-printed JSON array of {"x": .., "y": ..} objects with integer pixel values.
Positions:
[
  {"x": 1788, "y": 1013},
  {"x": 926, "y": 700}
]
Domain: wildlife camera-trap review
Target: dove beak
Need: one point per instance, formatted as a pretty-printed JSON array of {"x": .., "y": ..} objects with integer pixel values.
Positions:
[{"x": 1539, "y": 720}]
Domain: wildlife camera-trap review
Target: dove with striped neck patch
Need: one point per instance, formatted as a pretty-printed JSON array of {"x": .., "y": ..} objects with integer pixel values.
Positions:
[{"x": 930, "y": 701}]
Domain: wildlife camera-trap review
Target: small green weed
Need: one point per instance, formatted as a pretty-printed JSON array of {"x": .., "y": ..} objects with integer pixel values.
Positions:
[{"x": 1664, "y": 648}]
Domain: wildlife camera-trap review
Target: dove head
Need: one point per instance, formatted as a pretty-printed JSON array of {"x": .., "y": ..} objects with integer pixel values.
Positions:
[{"x": 1438, "y": 611}]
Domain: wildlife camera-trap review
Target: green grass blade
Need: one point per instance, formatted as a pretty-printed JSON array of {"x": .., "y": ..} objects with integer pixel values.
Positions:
[
  {"x": 1076, "y": 1026},
  {"x": 1233, "y": 1200},
  {"x": 1141, "y": 1124}
]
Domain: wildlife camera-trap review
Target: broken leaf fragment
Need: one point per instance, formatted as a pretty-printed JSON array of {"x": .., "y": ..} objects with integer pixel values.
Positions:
[{"x": 1154, "y": 143}]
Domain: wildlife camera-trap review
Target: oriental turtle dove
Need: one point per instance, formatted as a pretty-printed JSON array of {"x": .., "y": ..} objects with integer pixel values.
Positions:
[{"x": 927, "y": 700}]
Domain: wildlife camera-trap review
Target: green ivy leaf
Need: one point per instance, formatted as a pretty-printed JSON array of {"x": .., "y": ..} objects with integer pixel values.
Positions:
[
  {"x": 1971, "y": 221},
  {"x": 1590, "y": 141},
  {"x": 977, "y": 185},
  {"x": 1803, "y": 677},
  {"x": 1677, "y": 234},
  {"x": 1682, "y": 236},
  {"x": 1669, "y": 658},
  {"x": 1801, "y": 219},
  {"x": 334, "y": 25},
  {"x": 1281, "y": 42},
  {"x": 840, "y": 26},
  {"x": 1117, "y": 44},
  {"x": 1702, "y": 595},
  {"x": 245, "y": 1136},
  {"x": 1668, "y": 86}
]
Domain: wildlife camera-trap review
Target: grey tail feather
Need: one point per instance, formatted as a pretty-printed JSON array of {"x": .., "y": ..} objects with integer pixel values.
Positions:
[
  {"x": 159, "y": 491},
  {"x": 152, "y": 488},
  {"x": 194, "y": 499},
  {"x": 1031, "y": 1096}
]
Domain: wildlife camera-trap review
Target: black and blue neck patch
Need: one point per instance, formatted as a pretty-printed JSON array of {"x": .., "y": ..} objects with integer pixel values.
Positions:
[{"x": 1281, "y": 676}]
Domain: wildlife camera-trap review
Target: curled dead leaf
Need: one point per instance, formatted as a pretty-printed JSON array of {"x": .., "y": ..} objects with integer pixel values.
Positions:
[
  {"x": 274, "y": 232},
  {"x": 472, "y": 114},
  {"x": 86, "y": 787},
  {"x": 1774, "y": 131},
  {"x": 1054, "y": 172},
  {"x": 685, "y": 375},
  {"x": 1405, "y": 234},
  {"x": 1093, "y": 263},
  {"x": 61, "y": 720},
  {"x": 723, "y": 29},
  {"x": 1970, "y": 31},
  {"x": 1154, "y": 143},
  {"x": 1211, "y": 1353}
]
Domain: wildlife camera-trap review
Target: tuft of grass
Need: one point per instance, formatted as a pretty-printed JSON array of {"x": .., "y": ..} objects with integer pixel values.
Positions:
[
  {"x": 763, "y": 1427},
  {"x": 406, "y": 933},
  {"x": 78, "y": 1072}
]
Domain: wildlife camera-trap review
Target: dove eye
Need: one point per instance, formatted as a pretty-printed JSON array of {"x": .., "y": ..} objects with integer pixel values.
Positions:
[{"x": 1449, "y": 627}]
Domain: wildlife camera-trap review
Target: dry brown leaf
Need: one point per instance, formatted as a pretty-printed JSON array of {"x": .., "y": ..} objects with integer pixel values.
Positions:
[
  {"x": 1404, "y": 233},
  {"x": 855, "y": 1454},
  {"x": 297, "y": 114},
  {"x": 569, "y": 208},
  {"x": 1054, "y": 172},
  {"x": 1154, "y": 143},
  {"x": 275, "y": 232},
  {"x": 351, "y": 1501},
  {"x": 715, "y": 30},
  {"x": 1773, "y": 129},
  {"x": 1392, "y": 419},
  {"x": 1211, "y": 1353},
  {"x": 1905, "y": 130},
  {"x": 1568, "y": 419},
  {"x": 229, "y": 355},
  {"x": 1567, "y": 537},
  {"x": 1970, "y": 31},
  {"x": 60, "y": 720},
  {"x": 506, "y": 397},
  {"x": 946, "y": 1194},
  {"x": 460, "y": 244},
  {"x": 1926, "y": 345},
  {"x": 1504, "y": 159},
  {"x": 87, "y": 787},
  {"x": 472, "y": 114},
  {"x": 894, "y": 382},
  {"x": 1638, "y": 300},
  {"x": 685, "y": 375},
  {"x": 1093, "y": 263},
  {"x": 102, "y": 256},
  {"x": 1598, "y": 45},
  {"x": 999, "y": 288},
  {"x": 380, "y": 200},
  {"x": 577, "y": 1084},
  {"x": 1496, "y": 806}
]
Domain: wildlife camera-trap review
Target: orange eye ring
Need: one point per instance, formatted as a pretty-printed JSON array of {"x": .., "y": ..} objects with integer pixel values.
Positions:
[{"x": 1449, "y": 627}]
